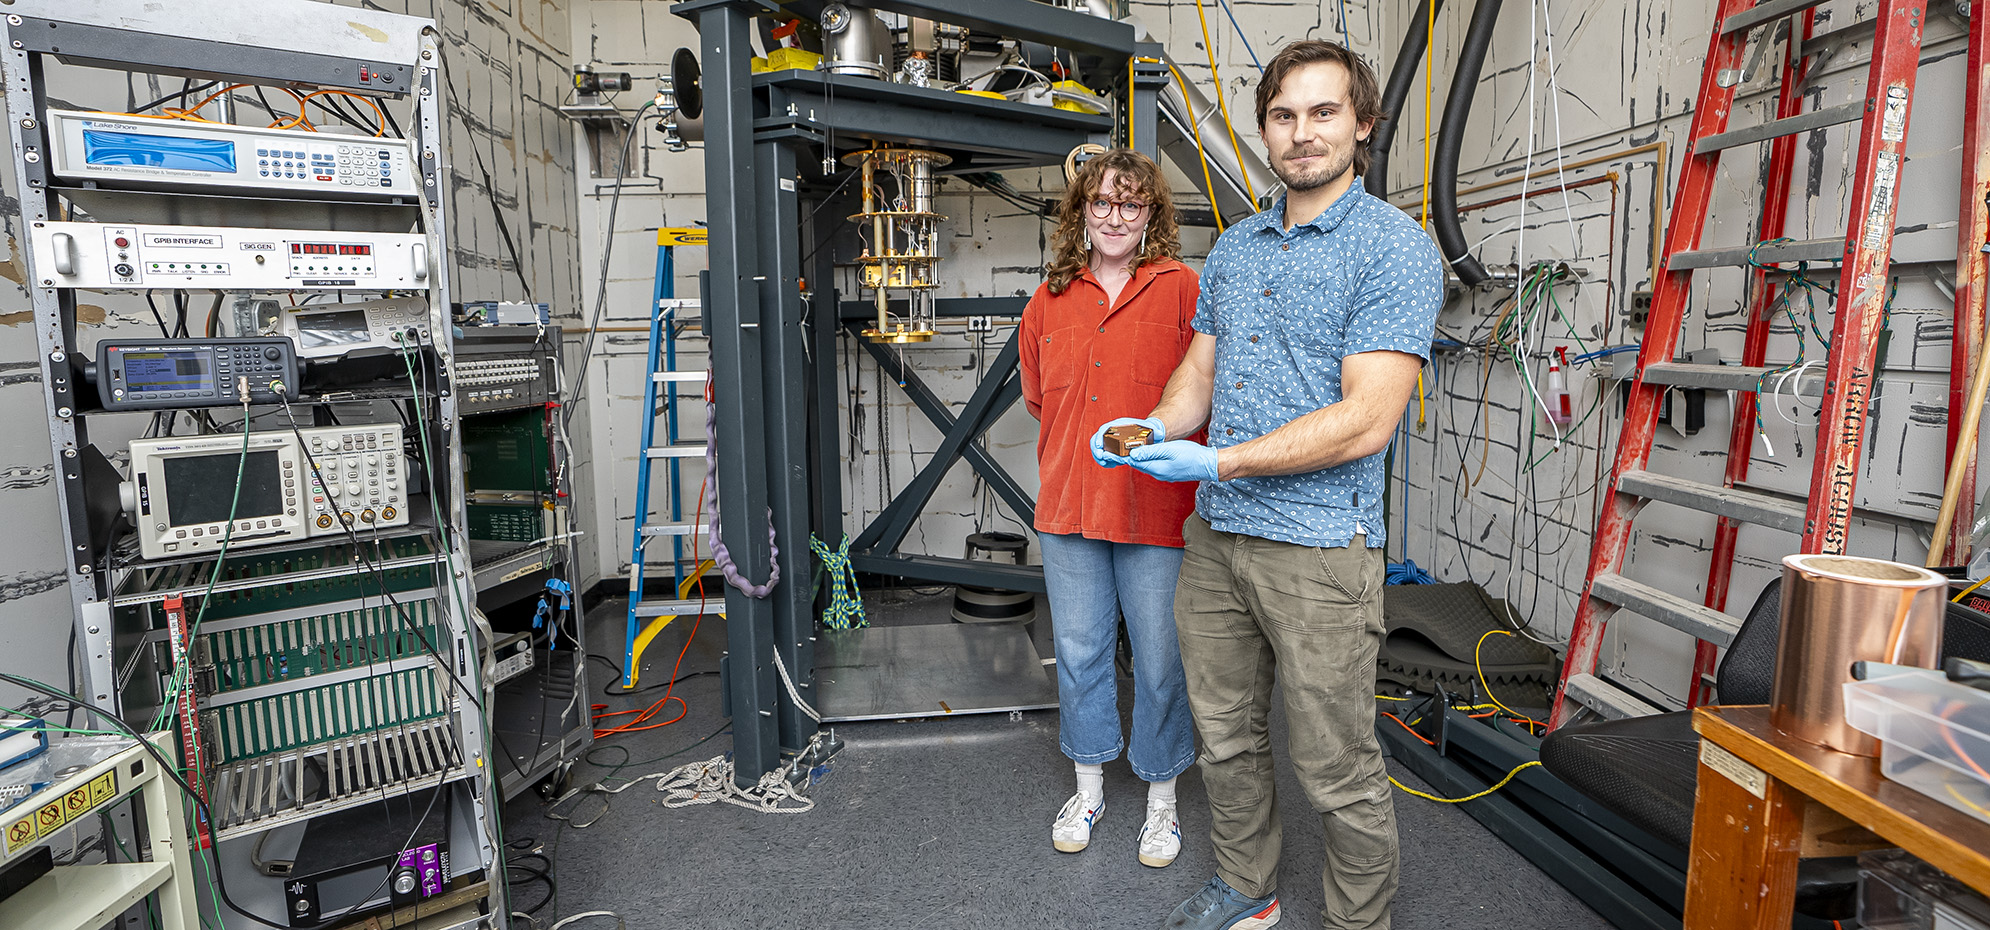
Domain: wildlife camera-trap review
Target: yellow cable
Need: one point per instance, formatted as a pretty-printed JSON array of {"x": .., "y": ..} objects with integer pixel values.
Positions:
[
  {"x": 1482, "y": 681},
  {"x": 1950, "y": 786},
  {"x": 1129, "y": 101},
  {"x": 1419, "y": 400},
  {"x": 1217, "y": 80},
  {"x": 1429, "y": 36},
  {"x": 1470, "y": 797},
  {"x": 1965, "y": 592},
  {"x": 1195, "y": 130}
]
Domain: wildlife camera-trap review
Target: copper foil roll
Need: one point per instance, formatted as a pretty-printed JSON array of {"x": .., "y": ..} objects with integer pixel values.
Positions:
[{"x": 1838, "y": 610}]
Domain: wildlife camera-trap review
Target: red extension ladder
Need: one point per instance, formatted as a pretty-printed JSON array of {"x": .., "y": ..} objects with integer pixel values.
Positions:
[{"x": 1862, "y": 253}]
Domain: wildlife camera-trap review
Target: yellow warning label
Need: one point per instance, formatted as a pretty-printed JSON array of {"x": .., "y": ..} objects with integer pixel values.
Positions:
[
  {"x": 50, "y": 818},
  {"x": 103, "y": 788},
  {"x": 20, "y": 833},
  {"x": 681, "y": 235}
]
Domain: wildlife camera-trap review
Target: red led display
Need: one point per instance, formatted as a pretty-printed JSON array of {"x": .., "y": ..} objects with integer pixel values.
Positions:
[{"x": 327, "y": 248}]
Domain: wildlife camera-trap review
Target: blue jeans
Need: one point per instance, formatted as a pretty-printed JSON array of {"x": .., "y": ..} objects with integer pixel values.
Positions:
[{"x": 1091, "y": 582}]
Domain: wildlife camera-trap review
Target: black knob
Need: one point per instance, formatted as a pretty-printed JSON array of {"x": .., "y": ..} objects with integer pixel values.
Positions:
[
  {"x": 123, "y": 270},
  {"x": 272, "y": 353}
]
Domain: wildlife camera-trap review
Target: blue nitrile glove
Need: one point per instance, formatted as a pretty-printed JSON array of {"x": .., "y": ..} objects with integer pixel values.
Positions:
[
  {"x": 1180, "y": 460},
  {"x": 1109, "y": 460}
]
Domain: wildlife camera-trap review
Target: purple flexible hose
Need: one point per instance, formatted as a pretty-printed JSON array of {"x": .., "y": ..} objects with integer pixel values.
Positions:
[{"x": 721, "y": 557}]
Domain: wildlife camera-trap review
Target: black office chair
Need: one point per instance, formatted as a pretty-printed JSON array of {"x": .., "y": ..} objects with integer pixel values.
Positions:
[{"x": 1644, "y": 768}]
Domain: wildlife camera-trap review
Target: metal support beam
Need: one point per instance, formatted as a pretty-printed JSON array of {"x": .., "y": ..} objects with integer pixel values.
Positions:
[
  {"x": 1149, "y": 78},
  {"x": 902, "y": 114},
  {"x": 990, "y": 399},
  {"x": 977, "y": 456},
  {"x": 786, "y": 424},
  {"x": 733, "y": 302},
  {"x": 952, "y": 571}
]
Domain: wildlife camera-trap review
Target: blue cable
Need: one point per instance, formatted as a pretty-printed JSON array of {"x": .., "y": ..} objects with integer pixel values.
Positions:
[
  {"x": 1406, "y": 572},
  {"x": 1604, "y": 353},
  {"x": 1240, "y": 34}
]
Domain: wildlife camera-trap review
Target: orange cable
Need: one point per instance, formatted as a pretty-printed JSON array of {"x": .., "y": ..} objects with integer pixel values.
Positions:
[
  {"x": 1413, "y": 733},
  {"x": 641, "y": 722}
]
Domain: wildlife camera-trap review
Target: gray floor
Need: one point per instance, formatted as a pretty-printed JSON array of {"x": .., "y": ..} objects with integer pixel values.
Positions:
[{"x": 944, "y": 823}]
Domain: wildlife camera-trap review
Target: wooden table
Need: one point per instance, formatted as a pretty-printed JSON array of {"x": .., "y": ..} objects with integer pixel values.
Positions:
[{"x": 1766, "y": 799}]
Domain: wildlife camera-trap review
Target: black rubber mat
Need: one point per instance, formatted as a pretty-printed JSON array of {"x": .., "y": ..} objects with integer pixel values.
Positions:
[{"x": 1432, "y": 630}]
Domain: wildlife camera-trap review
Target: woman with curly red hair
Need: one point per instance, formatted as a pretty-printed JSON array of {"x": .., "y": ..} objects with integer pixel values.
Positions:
[{"x": 1103, "y": 333}]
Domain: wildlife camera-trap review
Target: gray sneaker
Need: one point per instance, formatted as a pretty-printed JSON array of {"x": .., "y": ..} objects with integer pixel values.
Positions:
[{"x": 1220, "y": 907}]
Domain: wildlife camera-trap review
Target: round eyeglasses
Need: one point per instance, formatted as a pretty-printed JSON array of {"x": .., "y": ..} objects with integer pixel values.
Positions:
[{"x": 1129, "y": 210}]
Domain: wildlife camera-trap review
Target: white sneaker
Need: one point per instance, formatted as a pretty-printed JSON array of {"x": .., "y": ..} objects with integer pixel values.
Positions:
[
  {"x": 1072, "y": 831},
  {"x": 1160, "y": 836}
]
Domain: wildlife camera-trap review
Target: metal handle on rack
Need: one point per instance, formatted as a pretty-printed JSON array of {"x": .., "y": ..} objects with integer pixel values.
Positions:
[
  {"x": 421, "y": 261},
  {"x": 64, "y": 245}
]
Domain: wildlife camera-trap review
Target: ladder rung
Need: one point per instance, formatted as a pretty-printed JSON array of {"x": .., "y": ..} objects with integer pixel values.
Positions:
[
  {"x": 1804, "y": 250},
  {"x": 1670, "y": 609},
  {"x": 1731, "y": 378},
  {"x": 661, "y": 377},
  {"x": 682, "y": 450},
  {"x": 1607, "y": 700},
  {"x": 1764, "y": 12},
  {"x": 1787, "y": 126},
  {"x": 677, "y": 303},
  {"x": 1825, "y": 42},
  {"x": 677, "y": 608},
  {"x": 674, "y": 529},
  {"x": 1746, "y": 506}
]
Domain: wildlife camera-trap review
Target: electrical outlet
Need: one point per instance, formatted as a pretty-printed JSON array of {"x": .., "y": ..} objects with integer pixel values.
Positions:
[
  {"x": 1640, "y": 308},
  {"x": 981, "y": 324}
]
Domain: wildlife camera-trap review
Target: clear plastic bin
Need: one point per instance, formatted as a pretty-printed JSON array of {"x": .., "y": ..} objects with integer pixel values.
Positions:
[{"x": 1934, "y": 735}]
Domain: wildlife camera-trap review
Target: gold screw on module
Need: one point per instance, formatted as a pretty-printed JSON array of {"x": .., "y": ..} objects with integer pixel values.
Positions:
[{"x": 1122, "y": 440}]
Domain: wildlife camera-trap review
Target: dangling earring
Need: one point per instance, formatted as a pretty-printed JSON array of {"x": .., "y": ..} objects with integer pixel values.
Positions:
[
  {"x": 1088, "y": 240},
  {"x": 1143, "y": 244}
]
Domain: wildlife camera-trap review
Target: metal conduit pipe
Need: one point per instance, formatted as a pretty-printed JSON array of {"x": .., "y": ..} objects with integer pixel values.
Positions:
[
  {"x": 1401, "y": 75},
  {"x": 1444, "y": 163},
  {"x": 1228, "y": 164}
]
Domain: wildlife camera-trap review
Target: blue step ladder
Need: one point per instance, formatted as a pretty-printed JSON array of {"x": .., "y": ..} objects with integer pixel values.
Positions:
[{"x": 662, "y": 390}]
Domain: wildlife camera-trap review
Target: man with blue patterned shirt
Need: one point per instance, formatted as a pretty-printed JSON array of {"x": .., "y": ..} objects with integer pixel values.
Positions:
[{"x": 1314, "y": 319}]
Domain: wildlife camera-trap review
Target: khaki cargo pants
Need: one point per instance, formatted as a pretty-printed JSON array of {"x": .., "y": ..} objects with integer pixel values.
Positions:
[{"x": 1248, "y": 608}]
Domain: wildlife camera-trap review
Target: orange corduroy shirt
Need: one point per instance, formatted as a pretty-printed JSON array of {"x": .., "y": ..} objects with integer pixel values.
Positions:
[{"x": 1085, "y": 361}]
